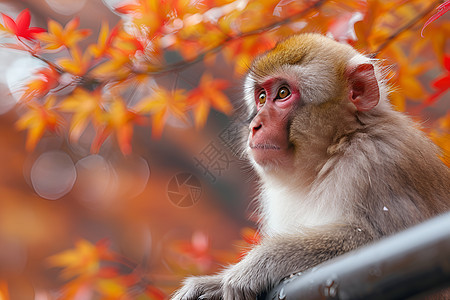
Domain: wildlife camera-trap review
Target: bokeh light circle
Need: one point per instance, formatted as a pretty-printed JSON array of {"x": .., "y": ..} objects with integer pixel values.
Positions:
[
  {"x": 19, "y": 72},
  {"x": 96, "y": 182},
  {"x": 53, "y": 175},
  {"x": 66, "y": 7}
]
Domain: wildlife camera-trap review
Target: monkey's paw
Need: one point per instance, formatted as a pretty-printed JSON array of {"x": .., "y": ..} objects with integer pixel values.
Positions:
[
  {"x": 200, "y": 287},
  {"x": 243, "y": 282}
]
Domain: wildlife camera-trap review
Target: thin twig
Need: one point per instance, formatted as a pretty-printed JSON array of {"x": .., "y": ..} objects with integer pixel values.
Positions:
[{"x": 32, "y": 52}]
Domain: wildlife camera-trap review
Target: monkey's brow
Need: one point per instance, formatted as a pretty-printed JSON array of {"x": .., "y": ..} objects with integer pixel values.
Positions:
[{"x": 258, "y": 75}]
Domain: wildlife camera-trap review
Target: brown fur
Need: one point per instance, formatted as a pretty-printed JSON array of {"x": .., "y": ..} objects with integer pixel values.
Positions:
[{"x": 357, "y": 175}]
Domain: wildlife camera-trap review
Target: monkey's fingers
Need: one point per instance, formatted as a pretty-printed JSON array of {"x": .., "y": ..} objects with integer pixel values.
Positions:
[{"x": 201, "y": 287}]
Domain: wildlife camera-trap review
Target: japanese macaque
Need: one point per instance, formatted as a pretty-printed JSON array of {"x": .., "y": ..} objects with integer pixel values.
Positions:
[{"x": 338, "y": 167}]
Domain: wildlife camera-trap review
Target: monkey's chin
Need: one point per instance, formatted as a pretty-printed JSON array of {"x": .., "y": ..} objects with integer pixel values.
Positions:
[{"x": 271, "y": 158}]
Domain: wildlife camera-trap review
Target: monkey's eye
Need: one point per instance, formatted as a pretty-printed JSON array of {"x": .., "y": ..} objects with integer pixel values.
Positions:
[
  {"x": 283, "y": 92},
  {"x": 262, "y": 98}
]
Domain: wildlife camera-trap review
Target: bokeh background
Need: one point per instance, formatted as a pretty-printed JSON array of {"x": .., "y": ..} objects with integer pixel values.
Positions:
[{"x": 146, "y": 219}]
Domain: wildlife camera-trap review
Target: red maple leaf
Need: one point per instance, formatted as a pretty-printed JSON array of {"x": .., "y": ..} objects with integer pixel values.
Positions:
[
  {"x": 21, "y": 27},
  {"x": 442, "y": 83}
]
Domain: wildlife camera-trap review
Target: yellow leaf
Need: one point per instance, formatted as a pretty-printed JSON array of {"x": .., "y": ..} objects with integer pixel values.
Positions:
[
  {"x": 57, "y": 36},
  {"x": 39, "y": 119},
  {"x": 117, "y": 66},
  {"x": 201, "y": 112},
  {"x": 412, "y": 88},
  {"x": 208, "y": 93},
  {"x": 83, "y": 260},
  {"x": 398, "y": 100},
  {"x": 78, "y": 64},
  {"x": 105, "y": 40},
  {"x": 85, "y": 106},
  {"x": 111, "y": 288},
  {"x": 162, "y": 104}
]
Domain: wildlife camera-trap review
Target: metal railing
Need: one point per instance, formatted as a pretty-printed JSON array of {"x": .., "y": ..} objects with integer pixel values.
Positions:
[{"x": 411, "y": 263}]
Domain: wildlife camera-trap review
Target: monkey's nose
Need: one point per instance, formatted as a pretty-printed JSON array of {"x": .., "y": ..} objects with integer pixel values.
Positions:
[{"x": 256, "y": 128}]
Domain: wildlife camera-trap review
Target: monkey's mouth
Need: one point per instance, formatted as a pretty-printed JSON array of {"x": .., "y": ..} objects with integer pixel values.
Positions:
[{"x": 265, "y": 147}]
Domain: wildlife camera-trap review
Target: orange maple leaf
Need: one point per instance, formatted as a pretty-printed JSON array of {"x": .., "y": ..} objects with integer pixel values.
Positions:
[
  {"x": 156, "y": 15},
  {"x": 442, "y": 83},
  {"x": 207, "y": 94},
  {"x": 105, "y": 40},
  {"x": 85, "y": 106},
  {"x": 161, "y": 105},
  {"x": 366, "y": 30},
  {"x": 407, "y": 76},
  {"x": 118, "y": 119},
  {"x": 57, "y": 36},
  {"x": 47, "y": 79},
  {"x": 250, "y": 238},
  {"x": 21, "y": 27},
  {"x": 118, "y": 65},
  {"x": 151, "y": 14},
  {"x": 83, "y": 260},
  {"x": 78, "y": 64},
  {"x": 39, "y": 119},
  {"x": 243, "y": 50},
  {"x": 196, "y": 252}
]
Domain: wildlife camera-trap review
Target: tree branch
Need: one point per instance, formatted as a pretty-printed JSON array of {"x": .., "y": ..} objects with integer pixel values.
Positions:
[
  {"x": 407, "y": 26},
  {"x": 186, "y": 63}
]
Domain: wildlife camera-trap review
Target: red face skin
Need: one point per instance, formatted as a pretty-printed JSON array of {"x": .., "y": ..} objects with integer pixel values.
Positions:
[{"x": 269, "y": 140}]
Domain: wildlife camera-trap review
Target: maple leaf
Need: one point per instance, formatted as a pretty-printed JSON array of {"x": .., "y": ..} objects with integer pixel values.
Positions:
[
  {"x": 21, "y": 27},
  {"x": 85, "y": 106},
  {"x": 83, "y": 260},
  {"x": 47, "y": 79},
  {"x": 129, "y": 44},
  {"x": 208, "y": 93},
  {"x": 39, "y": 119},
  {"x": 441, "y": 137},
  {"x": 157, "y": 16},
  {"x": 366, "y": 30},
  {"x": 161, "y": 105},
  {"x": 243, "y": 50},
  {"x": 195, "y": 252},
  {"x": 250, "y": 238},
  {"x": 105, "y": 40},
  {"x": 57, "y": 36},
  {"x": 111, "y": 288},
  {"x": 154, "y": 293},
  {"x": 118, "y": 65},
  {"x": 407, "y": 75},
  {"x": 196, "y": 37},
  {"x": 437, "y": 35},
  {"x": 150, "y": 14},
  {"x": 118, "y": 119},
  {"x": 78, "y": 64},
  {"x": 442, "y": 83}
]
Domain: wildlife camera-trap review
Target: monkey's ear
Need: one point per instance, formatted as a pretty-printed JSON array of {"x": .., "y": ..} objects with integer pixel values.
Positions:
[{"x": 364, "y": 90}]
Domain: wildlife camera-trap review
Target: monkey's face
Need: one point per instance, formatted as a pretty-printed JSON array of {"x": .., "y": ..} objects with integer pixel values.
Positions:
[
  {"x": 303, "y": 95},
  {"x": 268, "y": 143}
]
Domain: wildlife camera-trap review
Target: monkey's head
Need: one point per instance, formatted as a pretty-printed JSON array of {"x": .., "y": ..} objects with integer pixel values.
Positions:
[{"x": 303, "y": 96}]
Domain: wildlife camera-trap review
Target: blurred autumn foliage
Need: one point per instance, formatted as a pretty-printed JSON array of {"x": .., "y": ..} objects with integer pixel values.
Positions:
[{"x": 83, "y": 85}]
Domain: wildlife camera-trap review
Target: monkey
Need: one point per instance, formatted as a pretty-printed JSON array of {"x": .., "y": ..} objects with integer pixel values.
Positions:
[{"x": 339, "y": 168}]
